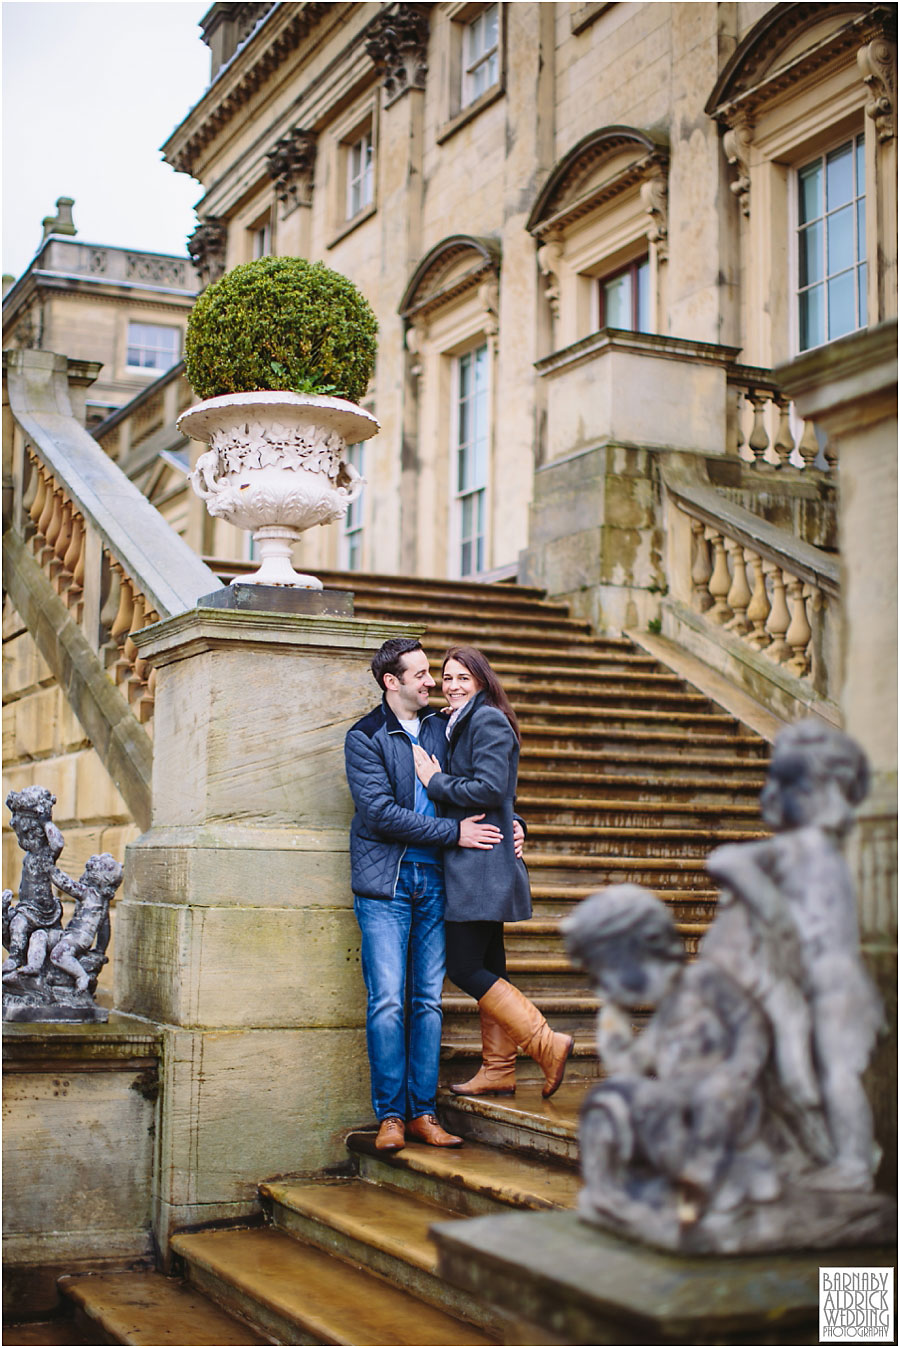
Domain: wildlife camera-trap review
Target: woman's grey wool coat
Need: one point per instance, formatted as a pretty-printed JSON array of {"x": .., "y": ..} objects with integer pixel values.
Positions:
[{"x": 481, "y": 766}]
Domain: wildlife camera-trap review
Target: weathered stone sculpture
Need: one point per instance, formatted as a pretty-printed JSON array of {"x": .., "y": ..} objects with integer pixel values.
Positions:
[
  {"x": 51, "y": 972},
  {"x": 737, "y": 1121}
]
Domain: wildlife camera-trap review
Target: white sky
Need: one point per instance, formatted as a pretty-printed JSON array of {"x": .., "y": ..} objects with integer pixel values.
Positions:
[{"x": 91, "y": 89}]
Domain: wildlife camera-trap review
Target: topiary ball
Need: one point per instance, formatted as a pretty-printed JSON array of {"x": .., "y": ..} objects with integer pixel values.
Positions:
[{"x": 281, "y": 323}]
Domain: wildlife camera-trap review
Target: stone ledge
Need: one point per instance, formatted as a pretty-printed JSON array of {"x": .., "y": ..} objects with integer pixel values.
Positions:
[{"x": 122, "y": 1039}]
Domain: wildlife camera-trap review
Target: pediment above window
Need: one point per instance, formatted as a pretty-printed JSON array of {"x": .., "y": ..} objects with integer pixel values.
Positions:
[
  {"x": 793, "y": 43},
  {"x": 457, "y": 264},
  {"x": 601, "y": 167}
]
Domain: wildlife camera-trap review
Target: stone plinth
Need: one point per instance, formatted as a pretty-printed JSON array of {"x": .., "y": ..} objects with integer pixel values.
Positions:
[
  {"x": 79, "y": 1116},
  {"x": 236, "y": 931},
  {"x": 563, "y": 1282}
]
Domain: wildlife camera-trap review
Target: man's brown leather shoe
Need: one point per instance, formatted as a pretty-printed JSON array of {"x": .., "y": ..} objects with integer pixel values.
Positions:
[
  {"x": 427, "y": 1129},
  {"x": 391, "y": 1135}
]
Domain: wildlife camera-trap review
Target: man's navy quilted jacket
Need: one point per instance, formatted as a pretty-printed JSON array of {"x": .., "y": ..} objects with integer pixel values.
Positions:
[{"x": 382, "y": 778}]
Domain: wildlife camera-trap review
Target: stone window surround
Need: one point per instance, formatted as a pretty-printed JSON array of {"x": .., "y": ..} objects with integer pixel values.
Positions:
[
  {"x": 585, "y": 235},
  {"x": 453, "y": 114},
  {"x": 777, "y": 116},
  {"x": 341, "y": 136},
  {"x": 444, "y": 321}
]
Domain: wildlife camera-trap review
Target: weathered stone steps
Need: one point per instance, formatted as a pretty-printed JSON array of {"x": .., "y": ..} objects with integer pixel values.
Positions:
[
  {"x": 525, "y": 1123},
  {"x": 299, "y": 1294},
  {"x": 150, "y": 1310},
  {"x": 619, "y": 812}
]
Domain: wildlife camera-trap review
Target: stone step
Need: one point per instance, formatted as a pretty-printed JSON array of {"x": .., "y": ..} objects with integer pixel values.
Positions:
[
  {"x": 414, "y": 587},
  {"x": 581, "y": 700},
  {"x": 636, "y": 840},
  {"x": 524, "y": 1123},
  {"x": 586, "y": 677},
  {"x": 541, "y": 940},
  {"x": 596, "y": 871},
  {"x": 473, "y": 618},
  {"x": 149, "y": 1309},
  {"x": 298, "y": 1294},
  {"x": 612, "y": 812},
  {"x": 471, "y": 1180},
  {"x": 383, "y": 1230},
  {"x": 461, "y": 1056}
]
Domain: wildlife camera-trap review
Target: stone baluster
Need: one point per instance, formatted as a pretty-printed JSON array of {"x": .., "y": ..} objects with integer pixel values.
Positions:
[
  {"x": 49, "y": 560},
  {"x": 701, "y": 570},
  {"x": 799, "y": 632},
  {"x": 759, "y": 438},
  {"x": 122, "y": 625},
  {"x": 784, "y": 440},
  {"x": 76, "y": 589},
  {"x": 43, "y": 524},
  {"x": 808, "y": 445},
  {"x": 758, "y": 609},
  {"x": 734, "y": 434},
  {"x": 720, "y": 581},
  {"x": 779, "y": 619},
  {"x": 61, "y": 576},
  {"x": 110, "y": 598},
  {"x": 73, "y": 552},
  {"x": 38, "y": 504},
  {"x": 831, "y": 455},
  {"x": 738, "y": 597}
]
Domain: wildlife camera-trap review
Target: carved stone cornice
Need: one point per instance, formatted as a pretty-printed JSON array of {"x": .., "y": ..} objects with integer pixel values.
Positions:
[
  {"x": 398, "y": 46},
  {"x": 561, "y": 201},
  {"x": 207, "y": 248},
  {"x": 754, "y": 76},
  {"x": 438, "y": 279},
  {"x": 291, "y": 165},
  {"x": 878, "y": 66},
  {"x": 268, "y": 48}
]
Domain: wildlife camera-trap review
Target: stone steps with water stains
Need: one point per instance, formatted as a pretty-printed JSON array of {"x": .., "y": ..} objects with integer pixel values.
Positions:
[{"x": 150, "y": 1310}]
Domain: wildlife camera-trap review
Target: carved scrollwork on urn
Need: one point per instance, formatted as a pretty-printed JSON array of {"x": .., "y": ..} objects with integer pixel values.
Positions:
[
  {"x": 398, "y": 45},
  {"x": 277, "y": 465}
]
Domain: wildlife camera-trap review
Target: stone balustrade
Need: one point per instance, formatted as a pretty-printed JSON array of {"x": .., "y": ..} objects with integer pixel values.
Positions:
[
  {"x": 776, "y": 595},
  {"x": 763, "y": 428}
]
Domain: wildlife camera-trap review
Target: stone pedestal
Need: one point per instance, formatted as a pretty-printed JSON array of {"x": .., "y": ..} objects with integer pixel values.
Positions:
[
  {"x": 236, "y": 932},
  {"x": 558, "y": 1281},
  {"x": 849, "y": 389}
]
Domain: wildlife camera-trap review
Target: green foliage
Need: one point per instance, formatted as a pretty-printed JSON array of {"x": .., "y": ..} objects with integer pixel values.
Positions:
[
  {"x": 281, "y": 323},
  {"x": 655, "y": 625}
]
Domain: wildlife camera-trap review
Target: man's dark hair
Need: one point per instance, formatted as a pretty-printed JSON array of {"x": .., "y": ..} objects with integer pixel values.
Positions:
[{"x": 389, "y": 660}]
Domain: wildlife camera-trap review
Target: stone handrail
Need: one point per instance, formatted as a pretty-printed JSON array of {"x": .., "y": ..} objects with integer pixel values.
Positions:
[
  {"x": 761, "y": 429},
  {"x": 89, "y": 562},
  {"x": 777, "y": 595}
]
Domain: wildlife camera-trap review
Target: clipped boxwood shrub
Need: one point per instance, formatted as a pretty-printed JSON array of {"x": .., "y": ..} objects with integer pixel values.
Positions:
[{"x": 281, "y": 323}]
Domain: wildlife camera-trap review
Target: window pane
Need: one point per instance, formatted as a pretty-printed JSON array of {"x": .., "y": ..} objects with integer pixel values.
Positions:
[
  {"x": 810, "y": 193},
  {"x": 861, "y": 228},
  {"x": 491, "y": 22},
  {"x": 840, "y": 240},
  {"x": 839, "y": 177},
  {"x": 643, "y": 296},
  {"x": 861, "y": 276},
  {"x": 841, "y": 315},
  {"x": 811, "y": 254},
  {"x": 860, "y": 166},
  {"x": 617, "y": 302},
  {"x": 812, "y": 318}
]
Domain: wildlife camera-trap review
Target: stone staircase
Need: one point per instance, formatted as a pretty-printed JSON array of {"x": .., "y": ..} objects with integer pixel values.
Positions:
[{"x": 627, "y": 774}]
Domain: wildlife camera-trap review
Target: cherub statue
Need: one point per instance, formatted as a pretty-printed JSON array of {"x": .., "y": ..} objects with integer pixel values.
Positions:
[
  {"x": 26, "y": 927},
  {"x": 93, "y": 894},
  {"x": 787, "y": 931},
  {"x": 675, "y": 1128}
]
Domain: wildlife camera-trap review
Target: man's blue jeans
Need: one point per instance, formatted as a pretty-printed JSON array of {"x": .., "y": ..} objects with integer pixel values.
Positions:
[{"x": 403, "y": 969}]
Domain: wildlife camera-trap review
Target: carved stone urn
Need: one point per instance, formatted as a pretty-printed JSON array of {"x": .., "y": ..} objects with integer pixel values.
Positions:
[{"x": 276, "y": 464}]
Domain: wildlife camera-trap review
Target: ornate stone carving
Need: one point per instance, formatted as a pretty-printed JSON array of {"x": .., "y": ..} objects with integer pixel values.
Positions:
[
  {"x": 277, "y": 465},
  {"x": 549, "y": 256},
  {"x": 161, "y": 271},
  {"x": 51, "y": 971},
  {"x": 877, "y": 63},
  {"x": 398, "y": 45},
  {"x": 737, "y": 1120},
  {"x": 291, "y": 165},
  {"x": 655, "y": 196},
  {"x": 736, "y": 142},
  {"x": 489, "y": 300},
  {"x": 207, "y": 248}
]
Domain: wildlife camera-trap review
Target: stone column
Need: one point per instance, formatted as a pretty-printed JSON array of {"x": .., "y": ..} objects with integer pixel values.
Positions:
[
  {"x": 849, "y": 389},
  {"x": 236, "y": 932}
]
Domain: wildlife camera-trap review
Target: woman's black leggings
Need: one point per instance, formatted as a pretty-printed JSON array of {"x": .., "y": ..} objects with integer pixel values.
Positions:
[{"x": 475, "y": 955}]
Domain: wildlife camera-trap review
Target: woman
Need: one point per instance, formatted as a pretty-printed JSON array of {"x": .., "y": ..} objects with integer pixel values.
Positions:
[{"x": 487, "y": 888}]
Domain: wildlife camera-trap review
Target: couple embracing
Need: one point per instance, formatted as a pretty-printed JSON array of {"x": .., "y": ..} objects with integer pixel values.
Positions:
[{"x": 435, "y": 853}]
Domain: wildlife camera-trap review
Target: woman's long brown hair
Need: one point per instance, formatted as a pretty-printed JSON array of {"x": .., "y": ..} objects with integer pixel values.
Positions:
[{"x": 478, "y": 666}]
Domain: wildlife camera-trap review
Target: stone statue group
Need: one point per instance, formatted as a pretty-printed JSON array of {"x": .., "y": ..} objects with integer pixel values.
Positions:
[
  {"x": 51, "y": 971},
  {"x": 736, "y": 1120}
]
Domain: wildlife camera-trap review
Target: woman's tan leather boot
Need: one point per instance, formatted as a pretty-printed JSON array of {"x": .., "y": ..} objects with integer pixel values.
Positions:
[
  {"x": 497, "y": 1073},
  {"x": 524, "y": 1023}
]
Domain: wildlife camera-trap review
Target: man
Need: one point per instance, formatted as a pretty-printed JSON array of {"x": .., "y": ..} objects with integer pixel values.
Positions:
[{"x": 396, "y": 844}]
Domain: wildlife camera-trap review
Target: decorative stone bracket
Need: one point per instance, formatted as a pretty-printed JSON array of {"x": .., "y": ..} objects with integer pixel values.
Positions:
[
  {"x": 291, "y": 165},
  {"x": 737, "y": 141},
  {"x": 655, "y": 196},
  {"x": 877, "y": 63},
  {"x": 207, "y": 247},
  {"x": 398, "y": 45}
]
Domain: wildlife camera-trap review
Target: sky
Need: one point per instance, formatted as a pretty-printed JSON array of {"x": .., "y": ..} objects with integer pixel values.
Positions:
[{"x": 91, "y": 89}]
